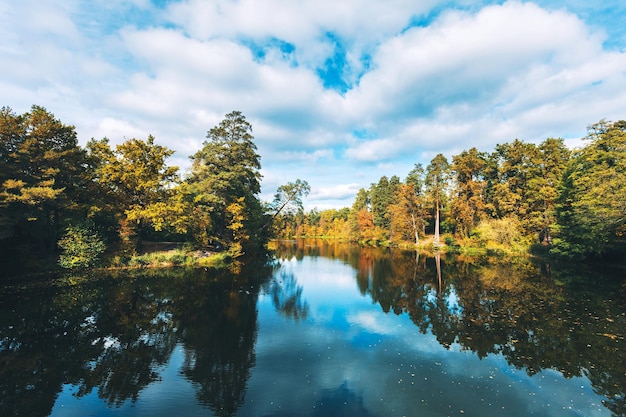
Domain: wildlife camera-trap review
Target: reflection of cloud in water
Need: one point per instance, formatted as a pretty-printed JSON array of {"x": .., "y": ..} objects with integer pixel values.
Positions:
[
  {"x": 373, "y": 322},
  {"x": 348, "y": 352},
  {"x": 322, "y": 278}
]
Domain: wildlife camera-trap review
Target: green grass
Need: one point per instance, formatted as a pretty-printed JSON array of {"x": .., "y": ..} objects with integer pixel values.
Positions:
[{"x": 172, "y": 258}]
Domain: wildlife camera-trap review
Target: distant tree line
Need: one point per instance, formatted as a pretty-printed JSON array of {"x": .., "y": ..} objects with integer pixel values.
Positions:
[
  {"x": 58, "y": 198},
  {"x": 518, "y": 196}
]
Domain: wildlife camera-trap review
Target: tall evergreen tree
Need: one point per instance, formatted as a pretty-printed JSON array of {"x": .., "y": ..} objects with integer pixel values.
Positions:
[
  {"x": 226, "y": 171},
  {"x": 543, "y": 188},
  {"x": 380, "y": 197},
  {"x": 437, "y": 176}
]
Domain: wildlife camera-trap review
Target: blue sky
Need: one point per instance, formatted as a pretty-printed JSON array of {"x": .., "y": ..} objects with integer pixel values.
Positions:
[{"x": 338, "y": 93}]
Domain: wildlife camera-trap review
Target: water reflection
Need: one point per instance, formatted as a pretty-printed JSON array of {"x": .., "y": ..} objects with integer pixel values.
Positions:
[
  {"x": 567, "y": 319},
  {"x": 112, "y": 338},
  {"x": 287, "y": 296}
]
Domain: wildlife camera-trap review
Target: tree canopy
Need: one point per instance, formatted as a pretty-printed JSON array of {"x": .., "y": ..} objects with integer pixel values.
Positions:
[
  {"x": 58, "y": 198},
  {"x": 520, "y": 196}
]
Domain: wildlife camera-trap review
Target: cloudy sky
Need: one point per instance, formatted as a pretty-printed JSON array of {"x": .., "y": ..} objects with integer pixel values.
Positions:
[{"x": 339, "y": 92}]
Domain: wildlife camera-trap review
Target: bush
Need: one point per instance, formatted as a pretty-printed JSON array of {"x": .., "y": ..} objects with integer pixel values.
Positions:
[
  {"x": 81, "y": 247},
  {"x": 504, "y": 231}
]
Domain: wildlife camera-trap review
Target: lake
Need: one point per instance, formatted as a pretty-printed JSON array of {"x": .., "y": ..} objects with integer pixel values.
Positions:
[{"x": 326, "y": 329}]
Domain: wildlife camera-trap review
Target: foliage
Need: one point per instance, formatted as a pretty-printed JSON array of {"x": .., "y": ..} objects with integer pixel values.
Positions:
[
  {"x": 505, "y": 232},
  {"x": 43, "y": 174},
  {"x": 592, "y": 205},
  {"x": 226, "y": 171},
  {"x": 81, "y": 247},
  {"x": 468, "y": 201},
  {"x": 407, "y": 213},
  {"x": 518, "y": 195},
  {"x": 138, "y": 181}
]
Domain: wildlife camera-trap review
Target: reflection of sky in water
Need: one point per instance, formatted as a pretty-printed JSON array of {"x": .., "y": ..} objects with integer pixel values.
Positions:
[
  {"x": 382, "y": 365},
  {"x": 349, "y": 358}
]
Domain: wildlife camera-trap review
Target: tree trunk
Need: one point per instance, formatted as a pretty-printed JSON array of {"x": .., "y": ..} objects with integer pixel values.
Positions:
[
  {"x": 417, "y": 239},
  {"x": 437, "y": 222}
]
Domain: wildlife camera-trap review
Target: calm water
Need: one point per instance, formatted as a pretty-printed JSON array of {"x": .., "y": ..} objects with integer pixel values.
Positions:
[{"x": 328, "y": 330}]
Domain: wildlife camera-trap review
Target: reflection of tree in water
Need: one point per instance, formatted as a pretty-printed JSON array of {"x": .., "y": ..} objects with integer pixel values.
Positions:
[
  {"x": 39, "y": 343},
  {"x": 92, "y": 335},
  {"x": 113, "y": 334},
  {"x": 287, "y": 296},
  {"x": 219, "y": 332},
  {"x": 504, "y": 306},
  {"x": 136, "y": 336}
]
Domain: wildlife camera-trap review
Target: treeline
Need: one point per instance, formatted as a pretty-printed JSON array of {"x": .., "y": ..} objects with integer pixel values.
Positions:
[
  {"x": 58, "y": 198},
  {"x": 518, "y": 196}
]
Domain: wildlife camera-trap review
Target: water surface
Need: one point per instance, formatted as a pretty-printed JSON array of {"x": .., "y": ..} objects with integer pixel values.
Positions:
[{"x": 327, "y": 330}]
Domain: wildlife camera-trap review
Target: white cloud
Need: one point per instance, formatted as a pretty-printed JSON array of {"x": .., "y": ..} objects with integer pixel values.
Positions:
[
  {"x": 514, "y": 70},
  {"x": 335, "y": 192},
  {"x": 466, "y": 76}
]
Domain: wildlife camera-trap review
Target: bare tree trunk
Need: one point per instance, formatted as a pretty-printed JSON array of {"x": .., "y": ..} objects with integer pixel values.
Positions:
[
  {"x": 414, "y": 222},
  {"x": 437, "y": 222}
]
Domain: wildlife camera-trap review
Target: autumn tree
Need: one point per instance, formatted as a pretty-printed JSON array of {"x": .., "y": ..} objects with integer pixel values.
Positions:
[
  {"x": 517, "y": 164},
  {"x": 407, "y": 213},
  {"x": 361, "y": 203},
  {"x": 139, "y": 183},
  {"x": 226, "y": 171},
  {"x": 42, "y": 176},
  {"x": 468, "y": 202}
]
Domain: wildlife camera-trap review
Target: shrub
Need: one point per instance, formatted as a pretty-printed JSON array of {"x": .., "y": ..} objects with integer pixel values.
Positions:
[
  {"x": 81, "y": 247},
  {"x": 498, "y": 233}
]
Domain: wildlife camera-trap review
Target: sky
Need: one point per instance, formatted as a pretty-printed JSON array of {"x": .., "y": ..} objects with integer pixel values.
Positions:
[{"x": 338, "y": 92}]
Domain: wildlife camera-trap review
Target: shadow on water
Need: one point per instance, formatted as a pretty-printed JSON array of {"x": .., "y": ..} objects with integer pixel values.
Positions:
[{"x": 112, "y": 335}]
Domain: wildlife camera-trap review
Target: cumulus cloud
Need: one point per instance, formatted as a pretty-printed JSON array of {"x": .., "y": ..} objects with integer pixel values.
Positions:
[
  {"x": 335, "y": 192},
  {"x": 334, "y": 96},
  {"x": 506, "y": 71}
]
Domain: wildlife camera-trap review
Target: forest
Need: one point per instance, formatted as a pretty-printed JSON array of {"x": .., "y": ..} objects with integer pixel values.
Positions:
[
  {"x": 59, "y": 200},
  {"x": 61, "y": 203},
  {"x": 520, "y": 197}
]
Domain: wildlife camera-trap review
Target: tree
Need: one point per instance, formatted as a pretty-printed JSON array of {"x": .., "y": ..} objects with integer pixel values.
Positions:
[
  {"x": 543, "y": 188},
  {"x": 361, "y": 203},
  {"x": 437, "y": 175},
  {"x": 224, "y": 171},
  {"x": 288, "y": 198},
  {"x": 592, "y": 204},
  {"x": 517, "y": 164},
  {"x": 468, "y": 203},
  {"x": 42, "y": 176},
  {"x": 416, "y": 177},
  {"x": 139, "y": 181},
  {"x": 407, "y": 213},
  {"x": 381, "y": 197}
]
